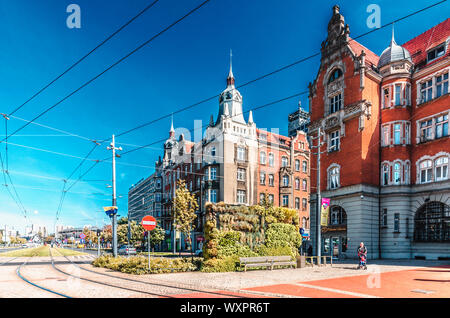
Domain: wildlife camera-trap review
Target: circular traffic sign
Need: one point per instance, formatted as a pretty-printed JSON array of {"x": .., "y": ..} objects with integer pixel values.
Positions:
[
  {"x": 82, "y": 236},
  {"x": 148, "y": 222}
]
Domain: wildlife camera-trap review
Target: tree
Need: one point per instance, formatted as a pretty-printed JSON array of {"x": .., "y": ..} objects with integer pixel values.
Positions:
[
  {"x": 106, "y": 234},
  {"x": 157, "y": 236},
  {"x": 122, "y": 220},
  {"x": 184, "y": 207},
  {"x": 136, "y": 230}
]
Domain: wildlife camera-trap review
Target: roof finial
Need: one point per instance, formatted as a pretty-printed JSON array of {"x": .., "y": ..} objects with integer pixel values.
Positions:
[
  {"x": 171, "y": 126},
  {"x": 230, "y": 79},
  {"x": 393, "y": 38}
]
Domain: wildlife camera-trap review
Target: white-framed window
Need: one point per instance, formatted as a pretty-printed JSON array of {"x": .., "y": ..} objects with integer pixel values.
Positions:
[
  {"x": 297, "y": 184},
  {"x": 426, "y": 91},
  {"x": 333, "y": 141},
  {"x": 271, "y": 159},
  {"x": 441, "y": 168},
  {"x": 441, "y": 126},
  {"x": 408, "y": 94},
  {"x": 304, "y": 204},
  {"x": 386, "y": 135},
  {"x": 213, "y": 196},
  {"x": 213, "y": 173},
  {"x": 426, "y": 129},
  {"x": 441, "y": 85},
  {"x": 285, "y": 200},
  {"x": 397, "y": 173},
  {"x": 398, "y": 95},
  {"x": 271, "y": 179},
  {"x": 433, "y": 127},
  {"x": 335, "y": 103},
  {"x": 241, "y": 153},
  {"x": 271, "y": 198},
  {"x": 426, "y": 171},
  {"x": 436, "y": 52},
  {"x": 297, "y": 203},
  {"x": 305, "y": 166},
  {"x": 262, "y": 157},
  {"x": 284, "y": 161},
  {"x": 285, "y": 181},
  {"x": 386, "y": 97},
  {"x": 397, "y": 133},
  {"x": 297, "y": 165},
  {"x": 261, "y": 198},
  {"x": 241, "y": 174},
  {"x": 385, "y": 174},
  {"x": 304, "y": 185},
  {"x": 241, "y": 196},
  {"x": 262, "y": 178},
  {"x": 333, "y": 177}
]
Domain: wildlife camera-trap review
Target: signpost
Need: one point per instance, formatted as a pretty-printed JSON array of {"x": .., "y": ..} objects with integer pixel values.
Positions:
[{"x": 149, "y": 224}]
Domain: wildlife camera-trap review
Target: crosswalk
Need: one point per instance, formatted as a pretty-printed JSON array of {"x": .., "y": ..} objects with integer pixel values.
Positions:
[{"x": 84, "y": 257}]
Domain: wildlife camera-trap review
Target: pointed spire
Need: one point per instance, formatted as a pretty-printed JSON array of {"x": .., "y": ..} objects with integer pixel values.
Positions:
[
  {"x": 172, "y": 131},
  {"x": 230, "y": 79},
  {"x": 393, "y": 37},
  {"x": 211, "y": 121},
  {"x": 250, "y": 117}
]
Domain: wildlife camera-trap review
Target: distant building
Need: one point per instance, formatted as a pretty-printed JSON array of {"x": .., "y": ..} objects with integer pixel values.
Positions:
[{"x": 298, "y": 121}]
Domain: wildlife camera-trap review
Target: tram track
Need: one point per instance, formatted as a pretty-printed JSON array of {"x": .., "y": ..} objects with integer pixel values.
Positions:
[{"x": 170, "y": 285}]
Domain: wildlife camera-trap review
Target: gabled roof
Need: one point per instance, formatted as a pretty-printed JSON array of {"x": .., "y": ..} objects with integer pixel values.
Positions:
[
  {"x": 371, "y": 58},
  {"x": 419, "y": 45}
]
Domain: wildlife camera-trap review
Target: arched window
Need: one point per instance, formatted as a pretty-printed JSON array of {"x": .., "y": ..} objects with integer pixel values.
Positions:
[
  {"x": 304, "y": 223},
  {"x": 297, "y": 165},
  {"x": 385, "y": 174},
  {"x": 441, "y": 168},
  {"x": 338, "y": 216},
  {"x": 284, "y": 161},
  {"x": 271, "y": 159},
  {"x": 425, "y": 168},
  {"x": 333, "y": 177},
  {"x": 397, "y": 173},
  {"x": 432, "y": 223},
  {"x": 335, "y": 75},
  {"x": 297, "y": 184}
]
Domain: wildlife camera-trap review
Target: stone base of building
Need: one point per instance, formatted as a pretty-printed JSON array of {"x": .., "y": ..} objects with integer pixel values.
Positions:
[{"x": 384, "y": 219}]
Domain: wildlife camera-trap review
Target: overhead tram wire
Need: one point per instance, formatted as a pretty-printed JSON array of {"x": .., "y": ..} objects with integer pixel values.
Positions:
[
  {"x": 111, "y": 66},
  {"x": 245, "y": 84},
  {"x": 304, "y": 59},
  {"x": 85, "y": 56}
]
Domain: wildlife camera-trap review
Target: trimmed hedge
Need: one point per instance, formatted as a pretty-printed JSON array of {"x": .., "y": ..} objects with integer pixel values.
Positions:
[{"x": 139, "y": 265}]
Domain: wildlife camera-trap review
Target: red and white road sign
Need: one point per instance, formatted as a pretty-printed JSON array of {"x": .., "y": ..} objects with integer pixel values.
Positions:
[
  {"x": 148, "y": 222},
  {"x": 82, "y": 236}
]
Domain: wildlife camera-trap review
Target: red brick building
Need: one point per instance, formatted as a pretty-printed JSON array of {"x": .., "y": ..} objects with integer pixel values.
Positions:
[
  {"x": 386, "y": 145},
  {"x": 237, "y": 163}
]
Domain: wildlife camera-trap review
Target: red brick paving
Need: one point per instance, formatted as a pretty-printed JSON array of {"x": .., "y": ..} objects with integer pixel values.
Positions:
[{"x": 397, "y": 284}]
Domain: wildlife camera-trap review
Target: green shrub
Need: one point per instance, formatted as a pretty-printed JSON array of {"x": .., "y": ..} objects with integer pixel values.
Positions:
[
  {"x": 281, "y": 235},
  {"x": 139, "y": 265},
  {"x": 226, "y": 264}
]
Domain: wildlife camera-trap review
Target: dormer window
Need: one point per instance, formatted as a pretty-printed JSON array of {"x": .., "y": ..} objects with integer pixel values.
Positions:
[
  {"x": 436, "y": 52},
  {"x": 335, "y": 75}
]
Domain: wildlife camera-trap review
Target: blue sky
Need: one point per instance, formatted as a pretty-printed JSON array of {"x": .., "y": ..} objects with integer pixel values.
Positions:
[{"x": 185, "y": 65}]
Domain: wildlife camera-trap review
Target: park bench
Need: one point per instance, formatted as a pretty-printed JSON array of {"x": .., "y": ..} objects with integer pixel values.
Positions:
[{"x": 266, "y": 261}]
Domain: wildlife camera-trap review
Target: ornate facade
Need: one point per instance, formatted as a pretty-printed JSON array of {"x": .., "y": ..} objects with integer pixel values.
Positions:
[{"x": 384, "y": 121}]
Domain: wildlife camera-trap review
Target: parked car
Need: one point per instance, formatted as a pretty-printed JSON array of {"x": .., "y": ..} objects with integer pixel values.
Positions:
[
  {"x": 126, "y": 249},
  {"x": 80, "y": 245},
  {"x": 24, "y": 245}
]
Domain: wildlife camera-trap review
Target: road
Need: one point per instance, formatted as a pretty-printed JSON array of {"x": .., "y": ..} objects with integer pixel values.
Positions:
[{"x": 73, "y": 276}]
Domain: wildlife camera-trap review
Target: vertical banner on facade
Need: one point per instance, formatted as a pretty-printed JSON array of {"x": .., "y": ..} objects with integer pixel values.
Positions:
[{"x": 324, "y": 210}]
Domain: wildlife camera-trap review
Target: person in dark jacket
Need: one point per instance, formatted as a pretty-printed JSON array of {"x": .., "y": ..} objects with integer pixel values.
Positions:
[{"x": 362, "y": 253}]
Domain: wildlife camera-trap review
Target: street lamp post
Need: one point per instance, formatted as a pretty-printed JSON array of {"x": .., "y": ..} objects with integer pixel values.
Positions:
[{"x": 114, "y": 198}]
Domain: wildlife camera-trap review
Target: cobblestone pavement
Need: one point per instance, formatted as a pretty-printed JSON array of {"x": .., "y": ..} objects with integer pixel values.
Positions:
[{"x": 400, "y": 278}]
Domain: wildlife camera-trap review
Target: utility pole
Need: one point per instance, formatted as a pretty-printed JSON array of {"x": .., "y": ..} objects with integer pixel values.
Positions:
[
  {"x": 114, "y": 198},
  {"x": 318, "y": 225}
]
